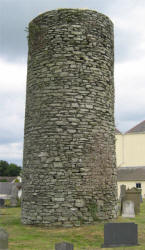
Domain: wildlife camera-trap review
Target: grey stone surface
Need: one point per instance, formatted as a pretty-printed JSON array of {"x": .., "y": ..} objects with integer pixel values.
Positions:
[
  {"x": 122, "y": 191},
  {"x": 3, "y": 239},
  {"x": 2, "y": 202},
  {"x": 64, "y": 246},
  {"x": 120, "y": 234},
  {"x": 69, "y": 139},
  {"x": 122, "y": 194},
  {"x": 133, "y": 195},
  {"x": 13, "y": 202},
  {"x": 14, "y": 192},
  {"x": 128, "y": 209},
  {"x": 6, "y": 188},
  {"x": 14, "y": 195}
]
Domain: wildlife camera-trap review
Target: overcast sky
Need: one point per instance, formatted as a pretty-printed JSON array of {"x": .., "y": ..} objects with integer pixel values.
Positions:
[{"x": 128, "y": 17}]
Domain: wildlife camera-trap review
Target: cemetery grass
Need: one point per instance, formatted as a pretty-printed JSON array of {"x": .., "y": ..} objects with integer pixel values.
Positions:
[{"x": 85, "y": 237}]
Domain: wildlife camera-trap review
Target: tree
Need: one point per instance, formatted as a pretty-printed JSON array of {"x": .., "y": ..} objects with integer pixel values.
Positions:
[
  {"x": 7, "y": 169},
  {"x": 3, "y": 168},
  {"x": 13, "y": 170}
]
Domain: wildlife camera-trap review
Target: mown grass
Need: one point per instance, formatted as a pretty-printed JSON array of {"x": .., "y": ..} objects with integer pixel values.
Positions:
[{"x": 84, "y": 237}]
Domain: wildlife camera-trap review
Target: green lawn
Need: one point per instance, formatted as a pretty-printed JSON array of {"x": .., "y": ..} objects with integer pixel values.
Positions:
[{"x": 84, "y": 237}]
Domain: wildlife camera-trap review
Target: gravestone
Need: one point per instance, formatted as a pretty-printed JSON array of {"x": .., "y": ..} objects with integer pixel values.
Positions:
[
  {"x": 3, "y": 239},
  {"x": 2, "y": 202},
  {"x": 120, "y": 234},
  {"x": 128, "y": 209},
  {"x": 14, "y": 197},
  {"x": 122, "y": 194},
  {"x": 133, "y": 195},
  {"x": 64, "y": 246},
  {"x": 122, "y": 191},
  {"x": 13, "y": 202}
]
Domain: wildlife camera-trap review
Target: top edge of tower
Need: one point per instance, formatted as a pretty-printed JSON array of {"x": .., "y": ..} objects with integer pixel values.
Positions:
[{"x": 50, "y": 13}]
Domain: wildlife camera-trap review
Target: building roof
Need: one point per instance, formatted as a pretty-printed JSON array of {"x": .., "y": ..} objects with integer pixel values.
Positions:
[
  {"x": 139, "y": 128},
  {"x": 117, "y": 131},
  {"x": 131, "y": 174}
]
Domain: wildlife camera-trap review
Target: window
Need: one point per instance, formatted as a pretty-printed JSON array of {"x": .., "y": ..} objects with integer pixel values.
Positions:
[{"x": 138, "y": 185}]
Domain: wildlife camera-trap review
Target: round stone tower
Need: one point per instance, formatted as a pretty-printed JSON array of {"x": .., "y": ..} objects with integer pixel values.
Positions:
[{"x": 69, "y": 168}]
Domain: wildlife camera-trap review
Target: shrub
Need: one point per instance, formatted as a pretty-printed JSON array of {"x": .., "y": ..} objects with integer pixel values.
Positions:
[{"x": 3, "y": 180}]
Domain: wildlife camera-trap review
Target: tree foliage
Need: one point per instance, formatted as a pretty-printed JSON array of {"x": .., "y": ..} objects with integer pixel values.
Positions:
[{"x": 7, "y": 169}]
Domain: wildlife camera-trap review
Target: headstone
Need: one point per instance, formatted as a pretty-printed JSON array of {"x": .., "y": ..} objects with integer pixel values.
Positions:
[
  {"x": 14, "y": 190},
  {"x": 128, "y": 209},
  {"x": 122, "y": 194},
  {"x": 122, "y": 191},
  {"x": 133, "y": 194},
  {"x": 3, "y": 239},
  {"x": 2, "y": 202},
  {"x": 14, "y": 198},
  {"x": 120, "y": 234},
  {"x": 64, "y": 246},
  {"x": 14, "y": 202}
]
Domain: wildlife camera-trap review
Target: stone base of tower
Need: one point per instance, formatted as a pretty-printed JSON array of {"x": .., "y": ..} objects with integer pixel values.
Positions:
[{"x": 68, "y": 216}]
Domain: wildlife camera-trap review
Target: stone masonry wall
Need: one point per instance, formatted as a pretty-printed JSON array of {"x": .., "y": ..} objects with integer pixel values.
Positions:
[{"x": 69, "y": 167}]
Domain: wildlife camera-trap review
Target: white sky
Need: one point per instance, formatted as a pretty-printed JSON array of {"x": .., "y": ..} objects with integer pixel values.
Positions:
[{"x": 128, "y": 17}]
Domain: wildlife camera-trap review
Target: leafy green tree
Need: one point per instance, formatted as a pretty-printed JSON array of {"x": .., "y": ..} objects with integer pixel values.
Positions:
[
  {"x": 13, "y": 170},
  {"x": 3, "y": 168},
  {"x": 7, "y": 169}
]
